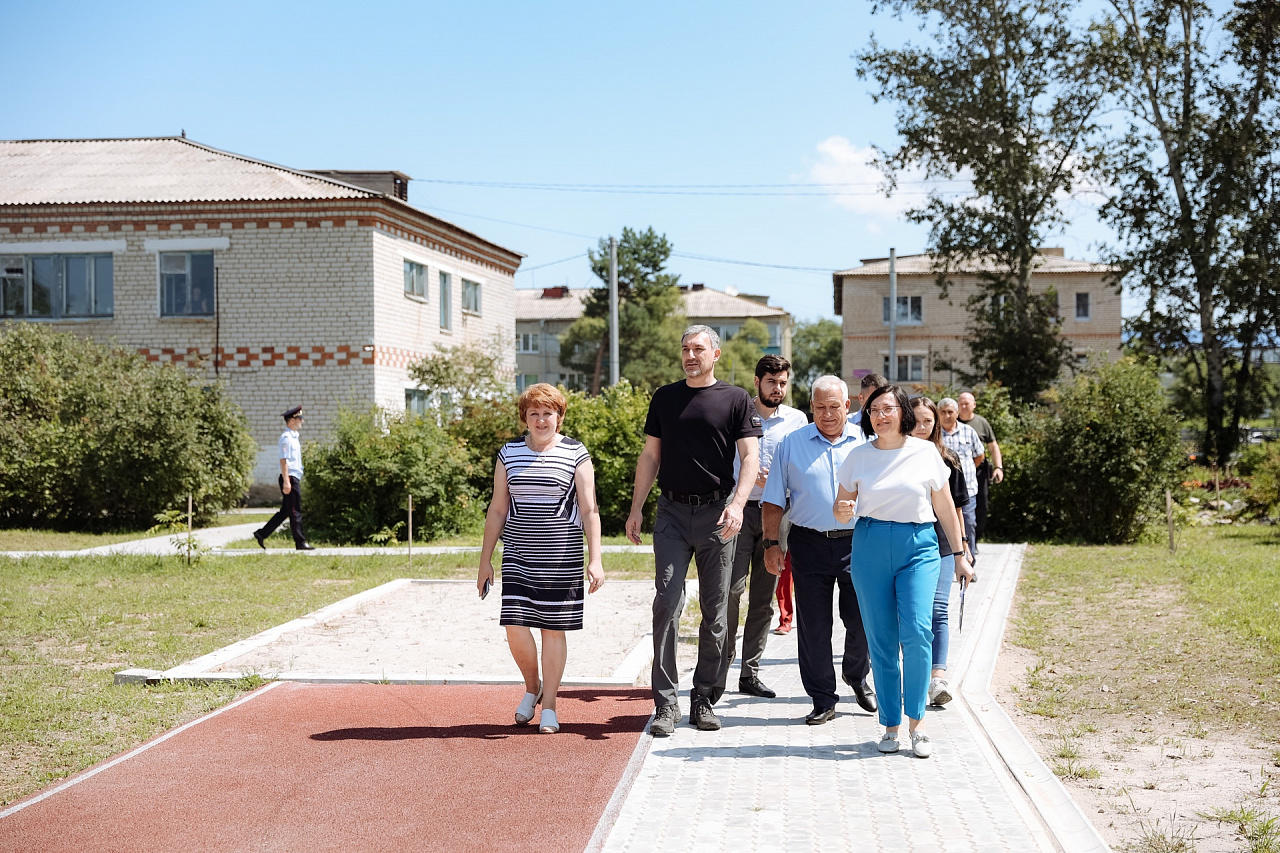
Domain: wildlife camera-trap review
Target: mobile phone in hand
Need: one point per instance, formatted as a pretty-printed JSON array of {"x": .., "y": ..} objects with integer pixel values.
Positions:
[{"x": 488, "y": 584}]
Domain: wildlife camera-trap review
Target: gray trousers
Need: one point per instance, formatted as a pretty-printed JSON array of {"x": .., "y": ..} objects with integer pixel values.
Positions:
[
  {"x": 682, "y": 533},
  {"x": 748, "y": 561}
]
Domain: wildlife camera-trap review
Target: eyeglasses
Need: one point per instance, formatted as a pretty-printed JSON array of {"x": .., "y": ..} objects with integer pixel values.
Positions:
[{"x": 882, "y": 411}]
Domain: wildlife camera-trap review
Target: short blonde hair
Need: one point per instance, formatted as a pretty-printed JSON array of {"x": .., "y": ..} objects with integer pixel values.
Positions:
[{"x": 542, "y": 394}]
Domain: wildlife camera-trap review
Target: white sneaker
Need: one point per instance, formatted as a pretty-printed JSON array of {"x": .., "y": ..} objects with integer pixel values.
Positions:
[
  {"x": 888, "y": 742},
  {"x": 939, "y": 692},
  {"x": 920, "y": 745}
]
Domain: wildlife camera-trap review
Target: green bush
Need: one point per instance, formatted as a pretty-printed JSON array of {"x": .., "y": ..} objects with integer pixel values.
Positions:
[
  {"x": 482, "y": 425},
  {"x": 1095, "y": 467},
  {"x": 97, "y": 438},
  {"x": 612, "y": 428},
  {"x": 1264, "y": 496},
  {"x": 358, "y": 485}
]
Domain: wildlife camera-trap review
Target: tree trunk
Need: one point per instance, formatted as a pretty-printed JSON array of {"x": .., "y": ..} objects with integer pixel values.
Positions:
[{"x": 595, "y": 377}]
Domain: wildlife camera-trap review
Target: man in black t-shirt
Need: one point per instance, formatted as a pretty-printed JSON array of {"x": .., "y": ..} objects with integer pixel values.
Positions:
[{"x": 694, "y": 430}]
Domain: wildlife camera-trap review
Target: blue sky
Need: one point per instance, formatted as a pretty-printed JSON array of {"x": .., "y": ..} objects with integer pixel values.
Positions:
[{"x": 662, "y": 93}]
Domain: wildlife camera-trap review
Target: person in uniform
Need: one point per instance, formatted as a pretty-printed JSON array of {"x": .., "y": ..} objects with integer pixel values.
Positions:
[{"x": 290, "y": 485}]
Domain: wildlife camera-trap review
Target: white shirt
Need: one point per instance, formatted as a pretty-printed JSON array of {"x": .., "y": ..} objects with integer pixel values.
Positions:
[
  {"x": 895, "y": 485},
  {"x": 784, "y": 421},
  {"x": 291, "y": 452}
]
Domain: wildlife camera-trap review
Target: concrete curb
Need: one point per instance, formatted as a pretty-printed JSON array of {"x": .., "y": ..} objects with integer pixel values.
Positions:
[{"x": 1056, "y": 812}]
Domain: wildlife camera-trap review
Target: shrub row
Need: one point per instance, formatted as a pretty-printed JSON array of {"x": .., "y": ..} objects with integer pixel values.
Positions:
[{"x": 97, "y": 438}]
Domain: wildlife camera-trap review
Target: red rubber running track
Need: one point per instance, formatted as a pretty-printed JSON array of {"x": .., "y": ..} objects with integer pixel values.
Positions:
[{"x": 355, "y": 767}]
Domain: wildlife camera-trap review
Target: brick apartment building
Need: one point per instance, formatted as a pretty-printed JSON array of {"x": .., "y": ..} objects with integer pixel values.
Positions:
[
  {"x": 543, "y": 315},
  {"x": 929, "y": 326},
  {"x": 292, "y": 287}
]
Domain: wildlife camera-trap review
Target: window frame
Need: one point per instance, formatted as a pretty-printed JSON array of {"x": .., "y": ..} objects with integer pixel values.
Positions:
[
  {"x": 415, "y": 280},
  {"x": 523, "y": 380},
  {"x": 913, "y": 360},
  {"x": 188, "y": 255},
  {"x": 58, "y": 262},
  {"x": 472, "y": 288},
  {"x": 908, "y": 299},
  {"x": 528, "y": 343},
  {"x": 1088, "y": 307},
  {"x": 444, "y": 280},
  {"x": 416, "y": 402}
]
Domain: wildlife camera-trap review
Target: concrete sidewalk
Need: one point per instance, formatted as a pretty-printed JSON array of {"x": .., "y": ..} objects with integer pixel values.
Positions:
[{"x": 769, "y": 782}]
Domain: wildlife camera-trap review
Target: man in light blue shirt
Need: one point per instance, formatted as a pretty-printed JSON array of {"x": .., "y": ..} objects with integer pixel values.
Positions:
[
  {"x": 290, "y": 485},
  {"x": 777, "y": 419},
  {"x": 804, "y": 468}
]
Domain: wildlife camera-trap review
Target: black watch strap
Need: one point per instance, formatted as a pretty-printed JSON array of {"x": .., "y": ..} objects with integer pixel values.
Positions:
[{"x": 769, "y": 543}]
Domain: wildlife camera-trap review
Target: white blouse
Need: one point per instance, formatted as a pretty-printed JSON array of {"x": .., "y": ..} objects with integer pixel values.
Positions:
[{"x": 895, "y": 485}]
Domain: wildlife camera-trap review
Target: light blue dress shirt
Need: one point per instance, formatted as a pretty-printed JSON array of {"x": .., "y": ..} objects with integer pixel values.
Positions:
[
  {"x": 291, "y": 452},
  {"x": 805, "y": 465}
]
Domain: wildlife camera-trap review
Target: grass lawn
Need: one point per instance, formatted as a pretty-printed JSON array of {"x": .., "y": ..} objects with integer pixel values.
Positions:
[
  {"x": 283, "y": 539},
  {"x": 68, "y": 625},
  {"x": 57, "y": 540},
  {"x": 1193, "y": 637}
]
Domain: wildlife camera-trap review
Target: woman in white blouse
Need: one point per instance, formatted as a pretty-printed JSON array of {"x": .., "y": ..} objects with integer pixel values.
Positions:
[{"x": 897, "y": 487}]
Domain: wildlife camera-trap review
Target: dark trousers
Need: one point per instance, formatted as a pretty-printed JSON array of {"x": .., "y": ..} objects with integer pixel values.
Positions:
[
  {"x": 980, "y": 510},
  {"x": 819, "y": 566},
  {"x": 291, "y": 509},
  {"x": 748, "y": 560},
  {"x": 682, "y": 533}
]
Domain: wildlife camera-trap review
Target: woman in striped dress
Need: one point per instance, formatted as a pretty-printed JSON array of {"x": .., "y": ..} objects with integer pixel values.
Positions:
[{"x": 544, "y": 497}]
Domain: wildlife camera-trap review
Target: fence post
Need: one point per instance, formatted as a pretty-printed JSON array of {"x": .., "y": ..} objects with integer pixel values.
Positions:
[
  {"x": 188, "y": 528},
  {"x": 411, "y": 532},
  {"x": 1168, "y": 509}
]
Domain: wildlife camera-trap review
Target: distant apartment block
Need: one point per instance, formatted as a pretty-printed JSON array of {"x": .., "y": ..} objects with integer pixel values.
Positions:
[
  {"x": 929, "y": 326},
  {"x": 294, "y": 288},
  {"x": 543, "y": 315}
]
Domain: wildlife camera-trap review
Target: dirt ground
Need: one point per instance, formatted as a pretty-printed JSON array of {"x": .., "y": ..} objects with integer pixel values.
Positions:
[{"x": 1158, "y": 779}]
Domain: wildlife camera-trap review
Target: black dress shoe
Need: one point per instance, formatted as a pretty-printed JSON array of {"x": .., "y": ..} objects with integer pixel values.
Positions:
[
  {"x": 866, "y": 696},
  {"x": 257, "y": 534},
  {"x": 755, "y": 687},
  {"x": 818, "y": 716},
  {"x": 305, "y": 546}
]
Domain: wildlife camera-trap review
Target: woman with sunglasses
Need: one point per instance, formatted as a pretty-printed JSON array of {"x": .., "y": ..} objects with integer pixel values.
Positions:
[{"x": 896, "y": 485}]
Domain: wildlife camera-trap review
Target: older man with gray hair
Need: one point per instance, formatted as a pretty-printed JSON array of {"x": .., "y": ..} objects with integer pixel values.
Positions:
[
  {"x": 964, "y": 442},
  {"x": 804, "y": 470},
  {"x": 694, "y": 431}
]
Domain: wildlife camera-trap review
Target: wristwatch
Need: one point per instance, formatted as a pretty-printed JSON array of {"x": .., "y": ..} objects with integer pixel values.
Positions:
[{"x": 769, "y": 543}]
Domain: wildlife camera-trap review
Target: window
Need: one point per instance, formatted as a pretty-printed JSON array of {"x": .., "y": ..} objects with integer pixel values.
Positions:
[
  {"x": 910, "y": 369},
  {"x": 446, "y": 301},
  {"x": 470, "y": 297},
  {"x": 186, "y": 284},
  {"x": 528, "y": 341},
  {"x": 56, "y": 286},
  {"x": 415, "y": 279},
  {"x": 574, "y": 381},
  {"x": 1082, "y": 306},
  {"x": 910, "y": 310},
  {"x": 524, "y": 380},
  {"x": 415, "y": 401}
]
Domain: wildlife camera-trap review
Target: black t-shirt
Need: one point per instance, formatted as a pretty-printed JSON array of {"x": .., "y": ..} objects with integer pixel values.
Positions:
[{"x": 699, "y": 429}]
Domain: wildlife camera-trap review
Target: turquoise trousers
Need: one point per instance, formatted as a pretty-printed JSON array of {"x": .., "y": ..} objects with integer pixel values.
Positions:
[{"x": 894, "y": 567}]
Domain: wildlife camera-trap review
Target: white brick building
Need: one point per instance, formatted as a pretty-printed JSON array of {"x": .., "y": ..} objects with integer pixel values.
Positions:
[{"x": 291, "y": 287}]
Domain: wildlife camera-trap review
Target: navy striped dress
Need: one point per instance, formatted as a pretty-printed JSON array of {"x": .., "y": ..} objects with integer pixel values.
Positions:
[{"x": 542, "y": 553}]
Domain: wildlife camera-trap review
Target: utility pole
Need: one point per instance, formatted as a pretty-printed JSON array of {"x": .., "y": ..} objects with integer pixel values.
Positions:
[
  {"x": 613, "y": 311},
  {"x": 893, "y": 315}
]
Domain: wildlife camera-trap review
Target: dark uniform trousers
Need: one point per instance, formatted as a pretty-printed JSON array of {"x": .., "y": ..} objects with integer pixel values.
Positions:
[
  {"x": 819, "y": 565},
  {"x": 748, "y": 561},
  {"x": 291, "y": 509},
  {"x": 980, "y": 510}
]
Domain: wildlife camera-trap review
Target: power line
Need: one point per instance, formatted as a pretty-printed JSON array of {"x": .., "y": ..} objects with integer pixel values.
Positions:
[
  {"x": 828, "y": 191},
  {"x": 557, "y": 185},
  {"x": 551, "y": 263},
  {"x": 827, "y": 270},
  {"x": 509, "y": 222}
]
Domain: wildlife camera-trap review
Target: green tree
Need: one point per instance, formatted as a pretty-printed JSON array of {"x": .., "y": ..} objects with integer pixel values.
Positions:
[
  {"x": 1002, "y": 97},
  {"x": 1196, "y": 200},
  {"x": 816, "y": 350},
  {"x": 611, "y": 425},
  {"x": 650, "y": 315},
  {"x": 740, "y": 354}
]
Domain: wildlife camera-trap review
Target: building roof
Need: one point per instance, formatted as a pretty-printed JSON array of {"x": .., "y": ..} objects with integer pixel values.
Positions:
[
  {"x": 164, "y": 169},
  {"x": 701, "y": 302},
  {"x": 1051, "y": 261}
]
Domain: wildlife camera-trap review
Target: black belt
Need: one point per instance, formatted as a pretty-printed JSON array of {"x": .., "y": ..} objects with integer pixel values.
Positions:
[
  {"x": 696, "y": 500},
  {"x": 754, "y": 504},
  {"x": 839, "y": 533}
]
